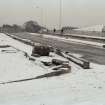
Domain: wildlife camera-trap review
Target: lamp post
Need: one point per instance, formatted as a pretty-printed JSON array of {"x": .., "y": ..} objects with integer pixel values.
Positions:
[
  {"x": 41, "y": 14},
  {"x": 45, "y": 16},
  {"x": 60, "y": 14}
]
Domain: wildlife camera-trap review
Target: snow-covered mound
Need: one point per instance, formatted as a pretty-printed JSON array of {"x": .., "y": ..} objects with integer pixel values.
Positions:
[{"x": 98, "y": 28}]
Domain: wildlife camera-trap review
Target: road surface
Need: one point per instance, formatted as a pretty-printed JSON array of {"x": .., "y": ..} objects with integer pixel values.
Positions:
[{"x": 91, "y": 53}]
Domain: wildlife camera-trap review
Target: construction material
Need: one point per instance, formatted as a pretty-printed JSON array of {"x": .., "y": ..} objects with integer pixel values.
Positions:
[{"x": 79, "y": 61}]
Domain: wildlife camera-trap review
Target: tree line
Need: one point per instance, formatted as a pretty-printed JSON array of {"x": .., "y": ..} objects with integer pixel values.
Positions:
[{"x": 29, "y": 26}]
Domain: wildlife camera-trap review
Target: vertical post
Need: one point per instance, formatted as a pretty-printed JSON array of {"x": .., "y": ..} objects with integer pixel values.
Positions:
[
  {"x": 41, "y": 9},
  {"x": 60, "y": 14},
  {"x": 41, "y": 14},
  {"x": 45, "y": 16}
]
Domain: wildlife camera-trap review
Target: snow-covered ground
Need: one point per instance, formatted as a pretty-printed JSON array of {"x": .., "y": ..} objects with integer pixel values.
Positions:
[
  {"x": 71, "y": 40},
  {"x": 5, "y": 40},
  {"x": 80, "y": 87},
  {"x": 13, "y": 63},
  {"x": 87, "y": 36}
]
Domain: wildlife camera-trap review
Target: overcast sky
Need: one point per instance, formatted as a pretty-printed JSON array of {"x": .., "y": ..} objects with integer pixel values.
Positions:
[{"x": 74, "y": 12}]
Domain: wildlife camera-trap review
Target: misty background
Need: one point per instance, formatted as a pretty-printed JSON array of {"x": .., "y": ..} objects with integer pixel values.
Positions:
[{"x": 78, "y": 13}]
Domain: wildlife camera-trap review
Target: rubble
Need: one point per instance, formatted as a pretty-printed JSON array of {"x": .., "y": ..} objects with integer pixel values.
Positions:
[{"x": 40, "y": 50}]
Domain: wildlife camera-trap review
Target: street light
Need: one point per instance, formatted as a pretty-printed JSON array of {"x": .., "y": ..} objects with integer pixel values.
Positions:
[
  {"x": 60, "y": 14},
  {"x": 41, "y": 14}
]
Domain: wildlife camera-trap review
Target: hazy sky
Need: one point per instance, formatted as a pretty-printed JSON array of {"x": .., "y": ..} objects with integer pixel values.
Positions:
[{"x": 74, "y": 12}]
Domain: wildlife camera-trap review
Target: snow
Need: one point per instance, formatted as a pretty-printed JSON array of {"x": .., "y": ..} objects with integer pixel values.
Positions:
[
  {"x": 71, "y": 40},
  {"x": 92, "y": 28},
  {"x": 87, "y": 36},
  {"x": 4, "y": 39},
  {"x": 80, "y": 87},
  {"x": 77, "y": 55},
  {"x": 13, "y": 61},
  {"x": 14, "y": 65}
]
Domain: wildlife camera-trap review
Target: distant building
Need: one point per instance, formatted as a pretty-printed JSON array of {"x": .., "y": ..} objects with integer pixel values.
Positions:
[
  {"x": 43, "y": 30},
  {"x": 95, "y": 28},
  {"x": 69, "y": 28}
]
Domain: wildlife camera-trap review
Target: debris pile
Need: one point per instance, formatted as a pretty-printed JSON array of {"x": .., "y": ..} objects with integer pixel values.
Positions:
[{"x": 40, "y": 50}]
